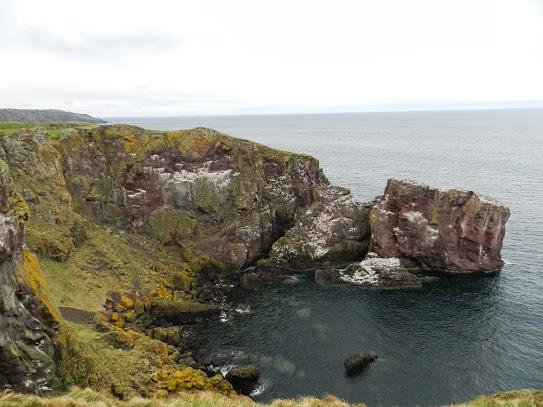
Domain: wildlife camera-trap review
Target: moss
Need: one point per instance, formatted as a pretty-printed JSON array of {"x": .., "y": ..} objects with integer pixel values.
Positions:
[
  {"x": 205, "y": 196},
  {"x": 169, "y": 335},
  {"x": 55, "y": 239},
  {"x": 172, "y": 225},
  {"x": 182, "y": 281}
]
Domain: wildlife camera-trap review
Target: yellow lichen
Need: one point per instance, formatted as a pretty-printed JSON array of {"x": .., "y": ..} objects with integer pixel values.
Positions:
[
  {"x": 127, "y": 302},
  {"x": 19, "y": 207},
  {"x": 190, "y": 379},
  {"x": 30, "y": 272}
]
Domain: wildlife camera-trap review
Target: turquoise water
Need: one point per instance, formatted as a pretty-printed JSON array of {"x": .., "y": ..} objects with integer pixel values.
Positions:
[{"x": 445, "y": 343}]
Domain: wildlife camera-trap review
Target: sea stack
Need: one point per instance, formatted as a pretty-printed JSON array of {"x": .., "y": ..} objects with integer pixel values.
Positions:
[{"x": 452, "y": 230}]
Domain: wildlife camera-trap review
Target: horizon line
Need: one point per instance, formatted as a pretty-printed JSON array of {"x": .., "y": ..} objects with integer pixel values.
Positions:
[{"x": 475, "y": 107}]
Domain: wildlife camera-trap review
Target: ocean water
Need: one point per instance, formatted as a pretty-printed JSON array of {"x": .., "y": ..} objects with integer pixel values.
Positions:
[{"x": 448, "y": 342}]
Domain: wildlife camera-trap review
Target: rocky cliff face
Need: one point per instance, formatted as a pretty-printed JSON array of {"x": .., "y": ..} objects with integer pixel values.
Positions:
[
  {"x": 28, "y": 319},
  {"x": 416, "y": 228},
  {"x": 223, "y": 200},
  {"x": 333, "y": 231},
  {"x": 168, "y": 219},
  {"x": 452, "y": 230}
]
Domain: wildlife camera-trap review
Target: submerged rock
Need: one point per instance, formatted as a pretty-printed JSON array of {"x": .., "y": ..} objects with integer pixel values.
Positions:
[
  {"x": 452, "y": 230},
  {"x": 244, "y": 379},
  {"x": 354, "y": 364}
]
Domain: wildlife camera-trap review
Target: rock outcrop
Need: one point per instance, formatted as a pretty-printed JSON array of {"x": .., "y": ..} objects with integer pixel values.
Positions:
[
  {"x": 28, "y": 320},
  {"x": 223, "y": 200},
  {"x": 244, "y": 379},
  {"x": 416, "y": 228},
  {"x": 335, "y": 229},
  {"x": 452, "y": 230},
  {"x": 378, "y": 273}
]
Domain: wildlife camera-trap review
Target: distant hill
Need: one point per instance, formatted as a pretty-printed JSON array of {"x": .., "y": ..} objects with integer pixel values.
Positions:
[{"x": 45, "y": 116}]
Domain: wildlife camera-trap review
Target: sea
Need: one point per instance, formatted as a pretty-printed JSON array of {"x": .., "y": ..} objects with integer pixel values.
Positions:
[{"x": 445, "y": 343}]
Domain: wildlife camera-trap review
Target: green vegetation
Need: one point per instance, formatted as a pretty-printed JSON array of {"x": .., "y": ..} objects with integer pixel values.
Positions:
[
  {"x": 55, "y": 134},
  {"x": 15, "y": 125},
  {"x": 127, "y": 363},
  {"x": 110, "y": 261}
]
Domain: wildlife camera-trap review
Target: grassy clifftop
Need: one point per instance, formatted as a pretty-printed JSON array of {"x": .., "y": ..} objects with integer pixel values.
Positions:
[{"x": 89, "y": 398}]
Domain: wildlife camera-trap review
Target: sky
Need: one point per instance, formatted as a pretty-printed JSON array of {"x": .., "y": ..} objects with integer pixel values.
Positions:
[{"x": 214, "y": 57}]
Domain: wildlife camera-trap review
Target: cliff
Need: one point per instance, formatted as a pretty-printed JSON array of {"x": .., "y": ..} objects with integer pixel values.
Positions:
[
  {"x": 44, "y": 116},
  {"x": 142, "y": 234},
  {"x": 29, "y": 320},
  {"x": 452, "y": 230}
]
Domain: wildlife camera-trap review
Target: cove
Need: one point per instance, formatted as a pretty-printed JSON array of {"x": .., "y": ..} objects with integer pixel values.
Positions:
[{"x": 444, "y": 343}]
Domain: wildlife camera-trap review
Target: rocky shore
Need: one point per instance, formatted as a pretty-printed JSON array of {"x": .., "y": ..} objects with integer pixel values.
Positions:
[{"x": 153, "y": 232}]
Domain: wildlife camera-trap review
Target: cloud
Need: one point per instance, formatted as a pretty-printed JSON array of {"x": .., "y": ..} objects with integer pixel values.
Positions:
[
  {"x": 7, "y": 18},
  {"x": 209, "y": 56},
  {"x": 95, "y": 46}
]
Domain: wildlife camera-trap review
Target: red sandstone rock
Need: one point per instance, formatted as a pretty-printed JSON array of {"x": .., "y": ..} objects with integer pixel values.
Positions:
[{"x": 452, "y": 230}]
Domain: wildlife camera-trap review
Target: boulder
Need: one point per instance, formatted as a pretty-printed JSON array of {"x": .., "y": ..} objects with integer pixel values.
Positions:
[
  {"x": 354, "y": 364},
  {"x": 243, "y": 379},
  {"x": 451, "y": 230}
]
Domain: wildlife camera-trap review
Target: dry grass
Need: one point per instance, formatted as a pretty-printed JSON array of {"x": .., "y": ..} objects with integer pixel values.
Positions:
[
  {"x": 515, "y": 398},
  {"x": 90, "y": 398}
]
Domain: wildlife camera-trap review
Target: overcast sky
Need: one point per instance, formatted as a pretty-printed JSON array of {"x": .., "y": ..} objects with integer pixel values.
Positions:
[{"x": 153, "y": 58}]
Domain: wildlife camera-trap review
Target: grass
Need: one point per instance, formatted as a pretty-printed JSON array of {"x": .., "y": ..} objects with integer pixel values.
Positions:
[
  {"x": 14, "y": 125},
  {"x": 89, "y": 398},
  {"x": 107, "y": 261},
  {"x": 55, "y": 134},
  {"x": 118, "y": 359},
  {"x": 515, "y": 398}
]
